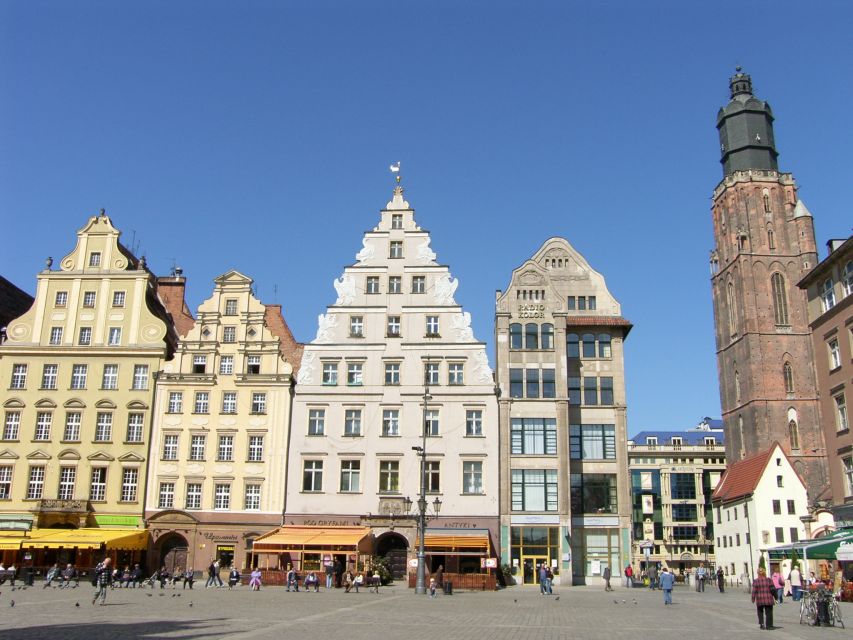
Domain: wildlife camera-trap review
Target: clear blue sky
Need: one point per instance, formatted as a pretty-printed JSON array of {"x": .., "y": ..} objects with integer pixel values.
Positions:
[{"x": 257, "y": 136}]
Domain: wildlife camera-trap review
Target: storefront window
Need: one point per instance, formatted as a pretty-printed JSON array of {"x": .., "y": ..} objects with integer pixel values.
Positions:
[
  {"x": 532, "y": 546},
  {"x": 595, "y": 549}
]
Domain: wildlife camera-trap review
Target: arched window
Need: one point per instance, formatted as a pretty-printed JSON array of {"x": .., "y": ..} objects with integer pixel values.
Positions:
[
  {"x": 827, "y": 294},
  {"x": 604, "y": 345},
  {"x": 547, "y": 336},
  {"x": 531, "y": 335},
  {"x": 848, "y": 279},
  {"x": 730, "y": 303},
  {"x": 788, "y": 374},
  {"x": 780, "y": 298},
  {"x": 740, "y": 433},
  {"x": 515, "y": 336},
  {"x": 766, "y": 199},
  {"x": 771, "y": 238},
  {"x": 737, "y": 387},
  {"x": 794, "y": 434},
  {"x": 572, "y": 346},
  {"x": 588, "y": 345}
]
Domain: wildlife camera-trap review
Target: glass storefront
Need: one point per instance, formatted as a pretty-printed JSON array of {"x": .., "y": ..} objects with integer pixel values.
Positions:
[
  {"x": 532, "y": 546},
  {"x": 595, "y": 549}
]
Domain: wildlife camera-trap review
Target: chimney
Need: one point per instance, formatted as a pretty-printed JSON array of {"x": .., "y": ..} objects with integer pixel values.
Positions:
[
  {"x": 834, "y": 244},
  {"x": 171, "y": 290}
]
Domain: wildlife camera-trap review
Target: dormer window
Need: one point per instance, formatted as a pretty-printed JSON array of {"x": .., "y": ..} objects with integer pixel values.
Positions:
[
  {"x": 651, "y": 441},
  {"x": 231, "y": 307},
  {"x": 676, "y": 442},
  {"x": 710, "y": 442},
  {"x": 199, "y": 364},
  {"x": 253, "y": 366},
  {"x": 396, "y": 220}
]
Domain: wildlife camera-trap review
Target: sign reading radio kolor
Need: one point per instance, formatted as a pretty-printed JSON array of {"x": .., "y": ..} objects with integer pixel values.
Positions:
[{"x": 531, "y": 311}]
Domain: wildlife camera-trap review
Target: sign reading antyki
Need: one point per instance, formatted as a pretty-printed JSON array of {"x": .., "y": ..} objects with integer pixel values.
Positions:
[{"x": 531, "y": 311}]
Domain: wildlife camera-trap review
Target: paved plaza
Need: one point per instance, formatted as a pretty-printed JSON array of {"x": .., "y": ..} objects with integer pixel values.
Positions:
[{"x": 515, "y": 613}]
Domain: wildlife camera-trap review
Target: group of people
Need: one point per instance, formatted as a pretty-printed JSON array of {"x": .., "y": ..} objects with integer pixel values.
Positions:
[
  {"x": 546, "y": 580},
  {"x": 67, "y": 578},
  {"x": 349, "y": 580}
]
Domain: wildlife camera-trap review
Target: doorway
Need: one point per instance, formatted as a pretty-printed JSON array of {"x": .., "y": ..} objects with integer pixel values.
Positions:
[
  {"x": 530, "y": 566},
  {"x": 395, "y": 548},
  {"x": 173, "y": 553}
]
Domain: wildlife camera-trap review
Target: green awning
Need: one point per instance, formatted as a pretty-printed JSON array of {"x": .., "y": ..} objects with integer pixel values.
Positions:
[{"x": 823, "y": 548}]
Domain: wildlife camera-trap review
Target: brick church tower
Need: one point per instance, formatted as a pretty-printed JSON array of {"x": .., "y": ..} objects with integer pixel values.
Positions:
[{"x": 765, "y": 244}]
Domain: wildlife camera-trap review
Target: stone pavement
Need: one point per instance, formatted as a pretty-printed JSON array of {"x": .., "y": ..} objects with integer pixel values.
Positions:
[{"x": 516, "y": 613}]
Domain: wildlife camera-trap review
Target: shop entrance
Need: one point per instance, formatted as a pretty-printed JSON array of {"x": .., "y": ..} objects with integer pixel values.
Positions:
[
  {"x": 173, "y": 553},
  {"x": 395, "y": 548},
  {"x": 531, "y": 564}
]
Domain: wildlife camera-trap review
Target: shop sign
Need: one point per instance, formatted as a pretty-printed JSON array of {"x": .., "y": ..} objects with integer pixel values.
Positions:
[
  {"x": 596, "y": 521},
  {"x": 488, "y": 563},
  {"x": 534, "y": 519},
  {"x": 122, "y": 521},
  {"x": 531, "y": 311}
]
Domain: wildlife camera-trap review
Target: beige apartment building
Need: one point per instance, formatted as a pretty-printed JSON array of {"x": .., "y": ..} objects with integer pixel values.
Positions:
[
  {"x": 221, "y": 419},
  {"x": 78, "y": 370},
  {"x": 565, "y": 498}
]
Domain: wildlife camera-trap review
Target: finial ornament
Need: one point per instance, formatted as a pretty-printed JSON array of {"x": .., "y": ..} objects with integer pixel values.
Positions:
[
  {"x": 103, "y": 212},
  {"x": 49, "y": 262},
  {"x": 738, "y": 68},
  {"x": 395, "y": 169}
]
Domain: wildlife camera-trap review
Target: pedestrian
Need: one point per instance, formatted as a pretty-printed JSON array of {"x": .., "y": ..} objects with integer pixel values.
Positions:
[
  {"x": 255, "y": 579},
  {"x": 700, "y": 578},
  {"x": 163, "y": 576},
  {"x": 549, "y": 580},
  {"x": 376, "y": 580},
  {"x": 339, "y": 573},
  {"x": 653, "y": 577},
  {"x": 629, "y": 576},
  {"x": 292, "y": 579},
  {"x": 439, "y": 576},
  {"x": 233, "y": 578},
  {"x": 211, "y": 572},
  {"x": 311, "y": 580},
  {"x": 136, "y": 576},
  {"x": 667, "y": 581},
  {"x": 348, "y": 580},
  {"x": 543, "y": 579},
  {"x": 607, "y": 575},
  {"x": 763, "y": 590},
  {"x": 330, "y": 572},
  {"x": 103, "y": 573},
  {"x": 189, "y": 577},
  {"x": 53, "y": 574},
  {"x": 721, "y": 580},
  {"x": 216, "y": 568},
  {"x": 432, "y": 587},
  {"x": 779, "y": 585},
  {"x": 69, "y": 575}
]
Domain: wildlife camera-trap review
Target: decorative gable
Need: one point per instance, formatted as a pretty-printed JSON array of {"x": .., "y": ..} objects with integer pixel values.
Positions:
[
  {"x": 105, "y": 404},
  {"x": 38, "y": 454},
  {"x": 74, "y": 403},
  {"x": 8, "y": 454},
  {"x": 14, "y": 403},
  {"x": 68, "y": 454},
  {"x": 45, "y": 403},
  {"x": 100, "y": 456},
  {"x": 131, "y": 457}
]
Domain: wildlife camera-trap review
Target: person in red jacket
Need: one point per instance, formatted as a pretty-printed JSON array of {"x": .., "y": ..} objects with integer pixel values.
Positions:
[{"x": 763, "y": 595}]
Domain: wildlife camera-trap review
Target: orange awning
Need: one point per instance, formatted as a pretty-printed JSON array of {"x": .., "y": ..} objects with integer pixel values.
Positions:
[
  {"x": 457, "y": 540},
  {"x": 299, "y": 538},
  {"x": 91, "y": 538},
  {"x": 11, "y": 540}
]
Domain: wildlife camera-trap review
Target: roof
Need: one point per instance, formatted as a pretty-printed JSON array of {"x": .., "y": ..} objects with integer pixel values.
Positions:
[
  {"x": 825, "y": 265},
  {"x": 599, "y": 321},
  {"x": 288, "y": 347},
  {"x": 688, "y": 436},
  {"x": 741, "y": 478},
  {"x": 14, "y": 302}
]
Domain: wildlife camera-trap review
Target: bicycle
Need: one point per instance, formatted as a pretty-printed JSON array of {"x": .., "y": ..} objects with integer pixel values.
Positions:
[
  {"x": 808, "y": 608},
  {"x": 835, "y": 611}
]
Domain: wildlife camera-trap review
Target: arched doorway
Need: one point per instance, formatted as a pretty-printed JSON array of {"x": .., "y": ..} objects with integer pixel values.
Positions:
[
  {"x": 173, "y": 552},
  {"x": 395, "y": 548}
]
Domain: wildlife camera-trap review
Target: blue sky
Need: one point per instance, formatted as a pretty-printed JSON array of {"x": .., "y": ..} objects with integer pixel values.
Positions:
[{"x": 257, "y": 136}]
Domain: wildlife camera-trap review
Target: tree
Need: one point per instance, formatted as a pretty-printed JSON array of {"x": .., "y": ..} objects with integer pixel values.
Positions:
[
  {"x": 795, "y": 560},
  {"x": 762, "y": 563}
]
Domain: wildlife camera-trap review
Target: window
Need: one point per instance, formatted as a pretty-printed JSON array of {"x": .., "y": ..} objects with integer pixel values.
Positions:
[
  {"x": 5, "y": 483},
  {"x": 48, "y": 376},
  {"x": 221, "y": 497},
  {"x": 129, "y": 480},
  {"x": 592, "y": 441},
  {"x": 43, "y": 422},
  {"x": 432, "y": 326},
  {"x": 547, "y": 341},
  {"x": 330, "y": 373},
  {"x": 549, "y": 388},
  {"x": 780, "y": 298},
  {"x": 202, "y": 402},
  {"x": 795, "y": 534},
  {"x": 418, "y": 284},
  {"x": 259, "y": 402},
  {"x": 225, "y": 451},
  {"x": 604, "y": 350},
  {"x": 516, "y": 383},
  {"x": 531, "y": 336},
  {"x": 109, "y": 380},
  {"x": 730, "y": 305},
  {"x": 193, "y": 496},
  {"x": 571, "y": 303},
  {"x": 780, "y": 481},
  {"x": 350, "y": 476},
  {"x": 176, "y": 402},
  {"x": 573, "y": 345},
  {"x": 256, "y": 448},
  {"x": 395, "y": 284},
  {"x": 593, "y": 493},
  {"x": 431, "y": 373},
  {"x": 474, "y": 423},
  {"x": 574, "y": 390},
  {"x": 472, "y": 477},
  {"x": 588, "y": 342},
  {"x": 395, "y": 249},
  {"x": 253, "y": 365},
  {"x": 231, "y": 307},
  {"x": 229, "y": 334},
  {"x": 533, "y": 436},
  {"x": 431, "y": 423},
  {"x": 590, "y": 391},
  {"x": 793, "y": 434},
  {"x": 197, "y": 443},
  {"x": 56, "y": 335},
  {"x": 389, "y": 476},
  {"x": 78, "y": 376},
  {"x": 847, "y": 464},
  {"x": 372, "y": 284},
  {"x": 199, "y": 364},
  {"x": 312, "y": 476},
  {"x": 135, "y": 423},
  {"x": 392, "y": 373},
  {"x": 61, "y": 299},
  {"x": 170, "y": 446},
  {"x": 791, "y": 508},
  {"x": 396, "y": 220},
  {"x": 780, "y": 534},
  {"x": 432, "y": 476},
  {"x": 226, "y": 365},
  {"x": 788, "y": 375},
  {"x": 848, "y": 278},
  {"x": 67, "y": 480},
  {"x": 95, "y": 259},
  {"x": 98, "y": 484},
  {"x": 89, "y": 299},
  {"x": 841, "y": 421},
  {"x": 35, "y": 486},
  {"x": 827, "y": 294},
  {"x": 73, "y": 420},
  {"x": 85, "y": 338},
  {"x": 515, "y": 336},
  {"x": 140, "y": 376},
  {"x": 118, "y": 298},
  {"x": 834, "y": 355},
  {"x": 352, "y": 422},
  {"x": 532, "y": 386},
  {"x": 682, "y": 486},
  {"x": 354, "y": 374},
  {"x": 684, "y": 513},
  {"x": 12, "y": 425},
  {"x": 104, "y": 427},
  {"x": 167, "y": 496},
  {"x": 229, "y": 402},
  {"x": 252, "y": 497},
  {"x": 391, "y": 422},
  {"x": 534, "y": 490},
  {"x": 316, "y": 422},
  {"x": 771, "y": 238},
  {"x": 777, "y": 507},
  {"x": 356, "y": 326},
  {"x": 456, "y": 373}
]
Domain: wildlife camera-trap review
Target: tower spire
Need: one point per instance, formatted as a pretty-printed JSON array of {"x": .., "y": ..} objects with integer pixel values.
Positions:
[{"x": 746, "y": 129}]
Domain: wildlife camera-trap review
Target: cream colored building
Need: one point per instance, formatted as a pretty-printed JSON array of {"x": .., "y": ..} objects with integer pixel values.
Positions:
[
  {"x": 394, "y": 332},
  {"x": 565, "y": 498},
  {"x": 221, "y": 419},
  {"x": 78, "y": 372}
]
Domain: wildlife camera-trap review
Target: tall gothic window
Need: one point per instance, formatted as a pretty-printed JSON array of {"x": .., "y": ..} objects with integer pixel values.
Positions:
[
  {"x": 788, "y": 373},
  {"x": 780, "y": 298},
  {"x": 737, "y": 387},
  {"x": 794, "y": 434},
  {"x": 771, "y": 238},
  {"x": 740, "y": 433},
  {"x": 766, "y": 202},
  {"x": 730, "y": 303}
]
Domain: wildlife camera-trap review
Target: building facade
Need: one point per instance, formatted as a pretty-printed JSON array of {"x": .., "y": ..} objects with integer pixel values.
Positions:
[
  {"x": 764, "y": 245},
  {"x": 829, "y": 287},
  {"x": 79, "y": 368},
  {"x": 673, "y": 476},
  {"x": 565, "y": 500},
  {"x": 394, "y": 367},
  {"x": 221, "y": 420}
]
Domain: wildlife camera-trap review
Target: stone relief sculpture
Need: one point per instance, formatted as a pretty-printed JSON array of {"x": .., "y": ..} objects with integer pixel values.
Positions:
[
  {"x": 425, "y": 254},
  {"x": 445, "y": 287},
  {"x": 306, "y": 369},
  {"x": 462, "y": 324},
  {"x": 326, "y": 324},
  {"x": 482, "y": 370},
  {"x": 345, "y": 286},
  {"x": 367, "y": 252}
]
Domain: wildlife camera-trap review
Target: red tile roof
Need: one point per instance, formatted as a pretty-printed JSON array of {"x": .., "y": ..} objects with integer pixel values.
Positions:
[
  {"x": 741, "y": 478},
  {"x": 599, "y": 321},
  {"x": 288, "y": 347}
]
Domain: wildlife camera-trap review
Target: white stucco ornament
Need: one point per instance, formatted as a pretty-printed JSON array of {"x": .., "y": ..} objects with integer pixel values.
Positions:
[
  {"x": 326, "y": 325},
  {"x": 367, "y": 252},
  {"x": 425, "y": 254},
  {"x": 482, "y": 370},
  {"x": 462, "y": 324},
  {"x": 345, "y": 286},
  {"x": 445, "y": 287},
  {"x": 306, "y": 369}
]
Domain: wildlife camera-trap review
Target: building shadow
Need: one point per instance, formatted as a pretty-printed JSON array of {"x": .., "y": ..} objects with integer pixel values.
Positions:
[{"x": 188, "y": 629}]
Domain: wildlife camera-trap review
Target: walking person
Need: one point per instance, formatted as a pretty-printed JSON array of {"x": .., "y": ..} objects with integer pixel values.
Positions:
[
  {"x": 216, "y": 568},
  {"x": 607, "y": 576},
  {"x": 667, "y": 581},
  {"x": 796, "y": 579},
  {"x": 543, "y": 579},
  {"x": 330, "y": 572},
  {"x": 439, "y": 576},
  {"x": 189, "y": 577},
  {"x": 721, "y": 580},
  {"x": 211, "y": 572},
  {"x": 779, "y": 585},
  {"x": 629, "y": 576},
  {"x": 653, "y": 577},
  {"x": 700, "y": 578},
  {"x": 103, "y": 574},
  {"x": 763, "y": 590}
]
